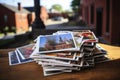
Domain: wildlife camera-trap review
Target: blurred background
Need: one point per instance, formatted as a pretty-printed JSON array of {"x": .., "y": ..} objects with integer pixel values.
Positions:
[{"x": 101, "y": 16}]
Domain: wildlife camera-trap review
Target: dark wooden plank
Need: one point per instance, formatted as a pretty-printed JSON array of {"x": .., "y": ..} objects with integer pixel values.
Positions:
[{"x": 32, "y": 71}]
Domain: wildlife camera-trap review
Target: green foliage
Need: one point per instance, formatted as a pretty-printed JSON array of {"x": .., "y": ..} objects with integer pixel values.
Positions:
[
  {"x": 57, "y": 7},
  {"x": 75, "y": 5}
]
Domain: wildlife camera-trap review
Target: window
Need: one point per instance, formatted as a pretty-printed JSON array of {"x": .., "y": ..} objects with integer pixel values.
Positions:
[{"x": 5, "y": 18}]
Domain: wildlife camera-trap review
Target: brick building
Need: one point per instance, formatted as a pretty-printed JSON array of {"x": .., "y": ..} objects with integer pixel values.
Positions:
[
  {"x": 14, "y": 17},
  {"x": 104, "y": 15},
  {"x": 44, "y": 15}
]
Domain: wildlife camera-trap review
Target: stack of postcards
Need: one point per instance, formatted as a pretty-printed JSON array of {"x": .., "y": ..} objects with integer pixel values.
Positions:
[
  {"x": 66, "y": 51},
  {"x": 21, "y": 55},
  {"x": 62, "y": 51}
]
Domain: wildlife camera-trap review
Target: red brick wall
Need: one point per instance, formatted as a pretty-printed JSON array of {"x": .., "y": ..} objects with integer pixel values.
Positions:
[
  {"x": 21, "y": 22},
  {"x": 115, "y": 26},
  {"x": 10, "y": 17},
  {"x": 87, "y": 5},
  {"x": 114, "y": 21},
  {"x": 18, "y": 20}
]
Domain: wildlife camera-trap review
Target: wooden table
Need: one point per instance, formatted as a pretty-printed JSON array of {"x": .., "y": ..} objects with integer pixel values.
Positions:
[{"x": 32, "y": 71}]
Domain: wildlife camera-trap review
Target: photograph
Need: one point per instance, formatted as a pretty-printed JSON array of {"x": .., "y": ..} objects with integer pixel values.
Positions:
[
  {"x": 59, "y": 67},
  {"x": 78, "y": 39},
  {"x": 53, "y": 43},
  {"x": 89, "y": 44},
  {"x": 53, "y": 72},
  {"x": 53, "y": 64},
  {"x": 100, "y": 48},
  {"x": 60, "y": 55},
  {"x": 87, "y": 36},
  {"x": 25, "y": 51},
  {"x": 55, "y": 61},
  {"x": 23, "y": 60},
  {"x": 101, "y": 59},
  {"x": 13, "y": 60},
  {"x": 99, "y": 51},
  {"x": 69, "y": 64}
]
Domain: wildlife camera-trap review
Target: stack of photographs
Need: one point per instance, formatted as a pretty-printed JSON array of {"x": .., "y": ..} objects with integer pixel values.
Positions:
[
  {"x": 21, "y": 55},
  {"x": 62, "y": 51},
  {"x": 100, "y": 54},
  {"x": 67, "y": 51}
]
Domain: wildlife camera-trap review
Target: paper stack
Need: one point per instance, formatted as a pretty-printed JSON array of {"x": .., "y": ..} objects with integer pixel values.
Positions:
[
  {"x": 21, "y": 55},
  {"x": 64, "y": 51}
]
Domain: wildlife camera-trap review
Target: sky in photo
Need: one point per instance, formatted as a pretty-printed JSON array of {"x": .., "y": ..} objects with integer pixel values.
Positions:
[{"x": 43, "y": 40}]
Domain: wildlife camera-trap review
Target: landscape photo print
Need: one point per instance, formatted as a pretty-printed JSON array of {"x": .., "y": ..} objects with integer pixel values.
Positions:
[{"x": 53, "y": 43}]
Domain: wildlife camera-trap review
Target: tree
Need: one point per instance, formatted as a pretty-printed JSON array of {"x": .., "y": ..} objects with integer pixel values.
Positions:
[
  {"x": 75, "y": 4},
  {"x": 57, "y": 7}
]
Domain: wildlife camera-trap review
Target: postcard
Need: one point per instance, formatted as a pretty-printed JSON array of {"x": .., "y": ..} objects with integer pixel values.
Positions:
[
  {"x": 59, "y": 62},
  {"x": 87, "y": 36},
  {"x": 88, "y": 54},
  {"x": 99, "y": 51},
  {"x": 54, "y": 64},
  {"x": 13, "y": 60},
  {"x": 25, "y": 51},
  {"x": 101, "y": 59},
  {"x": 53, "y": 72},
  {"x": 56, "y": 69},
  {"x": 55, "y": 43},
  {"x": 98, "y": 55},
  {"x": 89, "y": 44},
  {"x": 60, "y": 55},
  {"x": 78, "y": 39},
  {"x": 55, "y": 61},
  {"x": 82, "y": 37},
  {"x": 60, "y": 67},
  {"x": 101, "y": 48},
  {"x": 23, "y": 60},
  {"x": 70, "y": 64}
]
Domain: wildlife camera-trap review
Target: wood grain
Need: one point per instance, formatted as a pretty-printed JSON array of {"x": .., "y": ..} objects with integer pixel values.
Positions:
[{"x": 32, "y": 71}]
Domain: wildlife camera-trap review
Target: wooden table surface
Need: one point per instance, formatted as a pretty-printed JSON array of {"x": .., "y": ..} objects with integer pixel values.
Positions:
[{"x": 32, "y": 71}]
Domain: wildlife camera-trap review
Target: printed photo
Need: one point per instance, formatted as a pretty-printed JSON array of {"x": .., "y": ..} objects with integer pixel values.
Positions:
[
  {"x": 23, "y": 60},
  {"x": 60, "y": 55},
  {"x": 99, "y": 51},
  {"x": 87, "y": 36},
  {"x": 13, "y": 60},
  {"x": 101, "y": 59},
  {"x": 78, "y": 39},
  {"x": 53, "y": 72},
  {"x": 52, "y": 43},
  {"x": 61, "y": 62},
  {"x": 60, "y": 67},
  {"x": 25, "y": 51}
]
